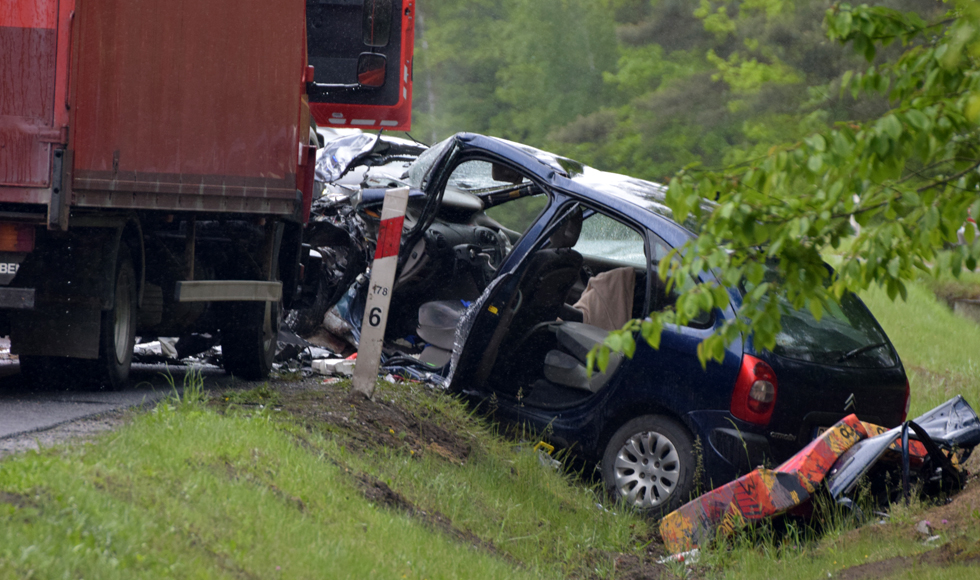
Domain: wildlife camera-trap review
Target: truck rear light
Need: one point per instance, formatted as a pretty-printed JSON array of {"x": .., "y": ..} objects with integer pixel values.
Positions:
[
  {"x": 755, "y": 392},
  {"x": 908, "y": 400},
  {"x": 16, "y": 237}
]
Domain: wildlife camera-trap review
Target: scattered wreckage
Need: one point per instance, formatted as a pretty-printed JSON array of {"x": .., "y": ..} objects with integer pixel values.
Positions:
[
  {"x": 922, "y": 456},
  {"x": 515, "y": 262}
]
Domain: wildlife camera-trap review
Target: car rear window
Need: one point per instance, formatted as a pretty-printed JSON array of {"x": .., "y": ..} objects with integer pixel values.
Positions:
[{"x": 846, "y": 335}]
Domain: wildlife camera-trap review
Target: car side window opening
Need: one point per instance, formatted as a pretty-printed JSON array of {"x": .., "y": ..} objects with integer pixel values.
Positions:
[
  {"x": 662, "y": 297},
  {"x": 614, "y": 274},
  {"x": 509, "y": 198},
  {"x": 604, "y": 238},
  {"x": 586, "y": 277},
  {"x": 464, "y": 246}
]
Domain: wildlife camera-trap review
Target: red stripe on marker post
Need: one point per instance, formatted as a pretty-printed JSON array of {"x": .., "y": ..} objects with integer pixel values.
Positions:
[{"x": 389, "y": 237}]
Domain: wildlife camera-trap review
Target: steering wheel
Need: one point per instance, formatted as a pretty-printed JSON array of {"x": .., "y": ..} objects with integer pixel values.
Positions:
[{"x": 485, "y": 257}]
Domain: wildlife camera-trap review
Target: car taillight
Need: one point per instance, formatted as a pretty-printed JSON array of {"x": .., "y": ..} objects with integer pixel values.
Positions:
[
  {"x": 908, "y": 401},
  {"x": 16, "y": 237},
  {"x": 754, "y": 397}
]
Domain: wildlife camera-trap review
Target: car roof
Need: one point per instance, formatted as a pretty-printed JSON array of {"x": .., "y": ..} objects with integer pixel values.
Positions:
[{"x": 619, "y": 192}]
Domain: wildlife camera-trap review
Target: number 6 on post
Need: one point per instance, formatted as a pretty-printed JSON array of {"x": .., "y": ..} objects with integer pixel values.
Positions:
[{"x": 379, "y": 291}]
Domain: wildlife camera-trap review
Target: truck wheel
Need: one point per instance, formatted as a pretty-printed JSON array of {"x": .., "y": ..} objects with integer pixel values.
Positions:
[
  {"x": 118, "y": 335},
  {"x": 649, "y": 465},
  {"x": 249, "y": 337}
]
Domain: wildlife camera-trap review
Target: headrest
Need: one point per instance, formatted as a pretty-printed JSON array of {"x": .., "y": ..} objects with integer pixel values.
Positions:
[{"x": 567, "y": 233}]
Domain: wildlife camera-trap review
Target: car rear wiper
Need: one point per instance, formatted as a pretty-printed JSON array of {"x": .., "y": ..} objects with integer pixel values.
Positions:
[{"x": 859, "y": 350}]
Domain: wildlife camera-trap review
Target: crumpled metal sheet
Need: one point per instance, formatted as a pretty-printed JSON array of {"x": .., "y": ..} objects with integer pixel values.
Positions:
[{"x": 953, "y": 425}]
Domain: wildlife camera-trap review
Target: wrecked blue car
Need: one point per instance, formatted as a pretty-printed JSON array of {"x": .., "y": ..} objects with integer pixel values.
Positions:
[{"x": 514, "y": 262}]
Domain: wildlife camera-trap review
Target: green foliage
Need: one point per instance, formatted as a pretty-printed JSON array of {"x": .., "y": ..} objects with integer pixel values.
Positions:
[
  {"x": 192, "y": 394},
  {"x": 906, "y": 177},
  {"x": 260, "y": 395},
  {"x": 513, "y": 68},
  {"x": 820, "y": 121}
]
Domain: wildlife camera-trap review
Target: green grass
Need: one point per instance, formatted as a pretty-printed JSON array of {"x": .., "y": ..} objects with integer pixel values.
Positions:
[
  {"x": 502, "y": 493},
  {"x": 188, "y": 492},
  {"x": 940, "y": 350},
  {"x": 260, "y": 395},
  {"x": 233, "y": 487}
]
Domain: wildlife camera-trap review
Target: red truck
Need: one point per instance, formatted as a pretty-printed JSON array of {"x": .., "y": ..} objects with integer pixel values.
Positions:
[{"x": 156, "y": 166}]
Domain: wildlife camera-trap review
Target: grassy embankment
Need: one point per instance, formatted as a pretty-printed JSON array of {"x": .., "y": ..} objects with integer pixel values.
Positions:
[
  {"x": 229, "y": 488},
  {"x": 214, "y": 490},
  {"x": 940, "y": 350}
]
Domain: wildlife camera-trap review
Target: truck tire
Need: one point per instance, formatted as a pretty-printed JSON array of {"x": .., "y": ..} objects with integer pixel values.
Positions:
[
  {"x": 118, "y": 335},
  {"x": 249, "y": 337}
]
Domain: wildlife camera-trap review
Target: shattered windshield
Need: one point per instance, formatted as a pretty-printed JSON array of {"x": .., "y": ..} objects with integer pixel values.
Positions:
[
  {"x": 418, "y": 172},
  {"x": 477, "y": 177}
]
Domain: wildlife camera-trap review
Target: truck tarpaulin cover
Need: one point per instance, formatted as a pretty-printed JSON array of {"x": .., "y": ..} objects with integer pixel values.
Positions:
[
  {"x": 28, "y": 50},
  {"x": 196, "y": 102}
]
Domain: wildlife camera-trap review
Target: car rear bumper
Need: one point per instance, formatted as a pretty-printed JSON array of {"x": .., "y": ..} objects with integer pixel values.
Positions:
[{"x": 729, "y": 447}]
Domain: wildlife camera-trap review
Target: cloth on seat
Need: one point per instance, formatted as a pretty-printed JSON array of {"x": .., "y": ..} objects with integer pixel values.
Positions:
[{"x": 607, "y": 301}]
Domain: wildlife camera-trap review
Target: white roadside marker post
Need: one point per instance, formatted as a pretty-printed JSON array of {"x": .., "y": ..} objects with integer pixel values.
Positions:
[{"x": 375, "y": 318}]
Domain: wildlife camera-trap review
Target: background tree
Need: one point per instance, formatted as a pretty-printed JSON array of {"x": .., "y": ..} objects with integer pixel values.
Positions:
[
  {"x": 512, "y": 68},
  {"x": 797, "y": 116},
  {"x": 908, "y": 177}
]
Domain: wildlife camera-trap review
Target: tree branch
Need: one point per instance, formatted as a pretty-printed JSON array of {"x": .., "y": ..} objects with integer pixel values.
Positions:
[{"x": 948, "y": 179}]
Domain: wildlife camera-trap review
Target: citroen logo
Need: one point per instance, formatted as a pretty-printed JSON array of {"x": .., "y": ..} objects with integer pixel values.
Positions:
[{"x": 850, "y": 404}]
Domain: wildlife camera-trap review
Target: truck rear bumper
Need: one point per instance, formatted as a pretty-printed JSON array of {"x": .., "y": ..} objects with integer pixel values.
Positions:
[
  {"x": 17, "y": 298},
  {"x": 228, "y": 291}
]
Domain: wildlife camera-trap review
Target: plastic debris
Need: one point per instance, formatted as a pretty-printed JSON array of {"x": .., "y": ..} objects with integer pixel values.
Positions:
[{"x": 931, "y": 448}]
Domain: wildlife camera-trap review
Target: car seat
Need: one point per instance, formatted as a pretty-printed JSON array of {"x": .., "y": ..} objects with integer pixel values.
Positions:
[
  {"x": 549, "y": 276},
  {"x": 437, "y": 327},
  {"x": 567, "y": 367}
]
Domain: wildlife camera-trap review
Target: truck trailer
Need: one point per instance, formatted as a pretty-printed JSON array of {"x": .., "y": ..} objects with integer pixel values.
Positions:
[{"x": 156, "y": 167}]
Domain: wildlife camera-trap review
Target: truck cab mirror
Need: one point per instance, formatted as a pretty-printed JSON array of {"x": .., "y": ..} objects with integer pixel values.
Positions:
[
  {"x": 371, "y": 69},
  {"x": 376, "y": 22}
]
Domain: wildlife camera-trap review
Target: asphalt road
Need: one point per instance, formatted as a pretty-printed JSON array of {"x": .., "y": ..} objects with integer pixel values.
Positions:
[{"x": 25, "y": 408}]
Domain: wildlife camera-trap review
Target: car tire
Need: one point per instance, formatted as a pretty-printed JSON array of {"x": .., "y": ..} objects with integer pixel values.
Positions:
[
  {"x": 249, "y": 338},
  {"x": 649, "y": 463}
]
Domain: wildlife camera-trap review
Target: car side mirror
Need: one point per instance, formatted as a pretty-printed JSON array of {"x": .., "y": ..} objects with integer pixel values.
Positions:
[{"x": 371, "y": 69}]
